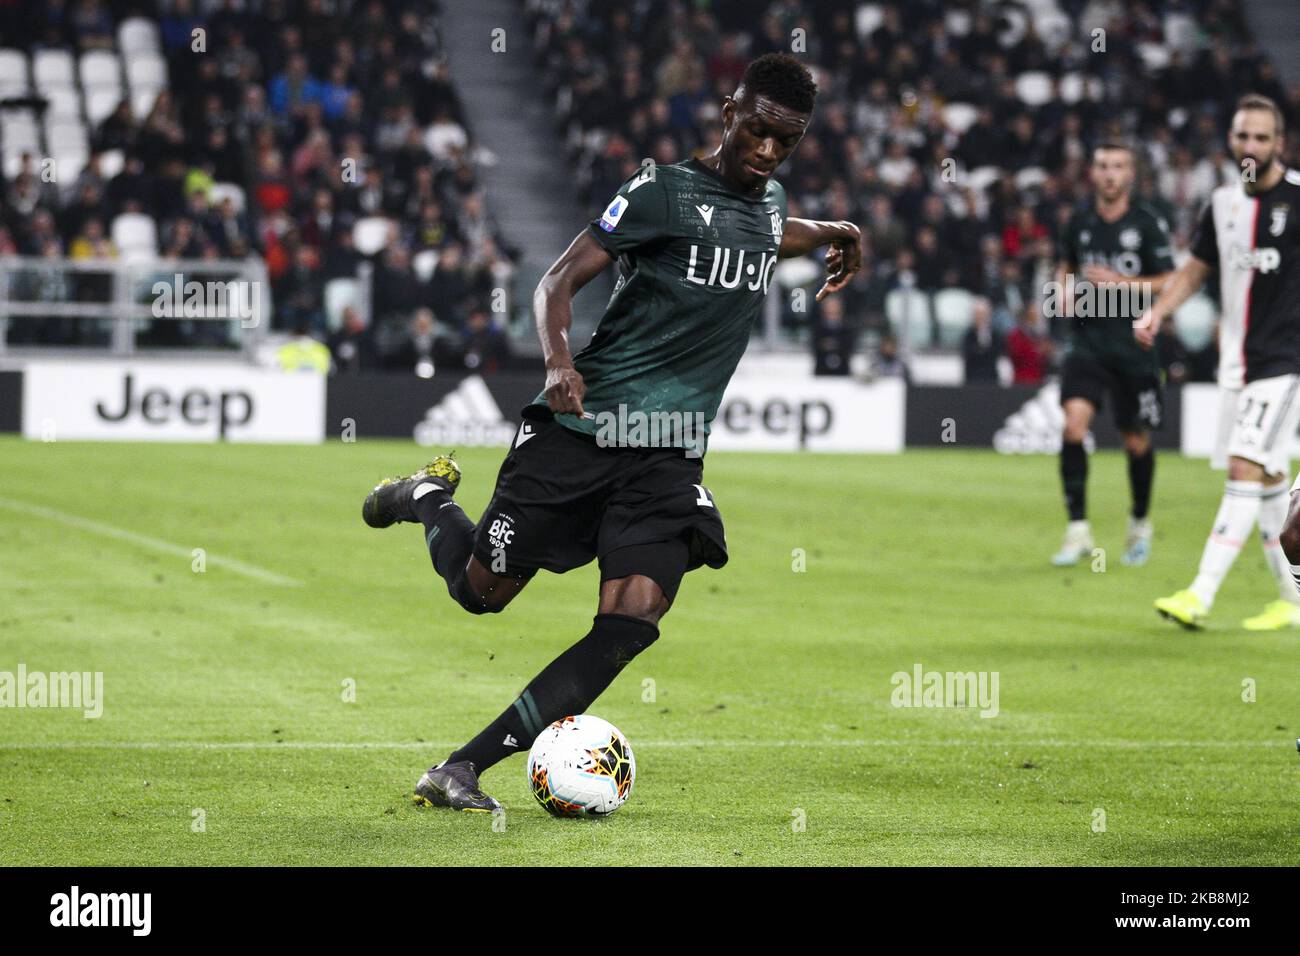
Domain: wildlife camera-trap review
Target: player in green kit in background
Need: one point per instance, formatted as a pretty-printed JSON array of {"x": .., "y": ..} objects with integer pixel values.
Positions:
[
  {"x": 1124, "y": 250},
  {"x": 608, "y": 461}
]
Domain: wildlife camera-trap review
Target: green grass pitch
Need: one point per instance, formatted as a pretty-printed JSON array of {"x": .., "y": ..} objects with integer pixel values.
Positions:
[{"x": 224, "y": 690}]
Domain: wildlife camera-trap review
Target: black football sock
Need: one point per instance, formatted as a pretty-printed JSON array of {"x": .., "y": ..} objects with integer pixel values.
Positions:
[
  {"x": 568, "y": 685},
  {"x": 1141, "y": 474},
  {"x": 1074, "y": 479},
  {"x": 448, "y": 533}
]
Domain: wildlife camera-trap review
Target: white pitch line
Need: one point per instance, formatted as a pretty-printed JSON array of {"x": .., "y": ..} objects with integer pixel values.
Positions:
[
  {"x": 144, "y": 541},
  {"x": 653, "y": 744}
]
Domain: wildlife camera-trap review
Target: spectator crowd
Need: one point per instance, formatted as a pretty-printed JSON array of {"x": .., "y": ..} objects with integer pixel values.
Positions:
[
  {"x": 972, "y": 198},
  {"x": 323, "y": 113}
]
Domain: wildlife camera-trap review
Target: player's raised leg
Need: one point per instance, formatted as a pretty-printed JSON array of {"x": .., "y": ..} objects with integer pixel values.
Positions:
[
  {"x": 1074, "y": 481},
  {"x": 626, "y": 623},
  {"x": 425, "y": 497},
  {"x": 1141, "y": 456}
]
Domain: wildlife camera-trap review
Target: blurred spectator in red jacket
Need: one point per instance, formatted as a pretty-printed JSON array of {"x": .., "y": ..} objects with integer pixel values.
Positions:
[{"x": 1029, "y": 348}]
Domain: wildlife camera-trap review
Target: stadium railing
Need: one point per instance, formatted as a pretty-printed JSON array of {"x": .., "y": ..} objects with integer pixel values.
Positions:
[{"x": 132, "y": 306}]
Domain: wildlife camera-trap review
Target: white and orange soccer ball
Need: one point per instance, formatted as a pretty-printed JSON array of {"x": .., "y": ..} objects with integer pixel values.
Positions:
[{"x": 581, "y": 767}]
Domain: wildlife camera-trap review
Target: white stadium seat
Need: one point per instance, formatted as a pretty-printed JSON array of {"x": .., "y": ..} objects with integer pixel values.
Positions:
[
  {"x": 339, "y": 294},
  {"x": 53, "y": 68},
  {"x": 868, "y": 19},
  {"x": 101, "y": 69},
  {"x": 1053, "y": 27},
  {"x": 146, "y": 70},
  {"x": 66, "y": 136},
  {"x": 13, "y": 71},
  {"x": 982, "y": 177},
  {"x": 1034, "y": 87},
  {"x": 111, "y": 162},
  {"x": 1075, "y": 87},
  {"x": 371, "y": 234},
  {"x": 135, "y": 235},
  {"x": 1029, "y": 177},
  {"x": 959, "y": 117},
  {"x": 424, "y": 263},
  {"x": 952, "y": 309},
  {"x": 142, "y": 101},
  {"x": 18, "y": 131},
  {"x": 137, "y": 35},
  {"x": 100, "y": 104},
  {"x": 908, "y": 312},
  {"x": 231, "y": 191},
  {"x": 1155, "y": 56},
  {"x": 69, "y": 166},
  {"x": 65, "y": 102}
]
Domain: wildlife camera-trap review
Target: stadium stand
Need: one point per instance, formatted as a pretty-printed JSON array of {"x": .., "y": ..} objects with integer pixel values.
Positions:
[
  {"x": 319, "y": 137},
  {"x": 325, "y": 139},
  {"x": 961, "y": 153}
]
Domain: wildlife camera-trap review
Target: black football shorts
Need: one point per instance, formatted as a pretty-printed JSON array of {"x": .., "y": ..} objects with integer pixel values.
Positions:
[
  {"x": 562, "y": 500},
  {"x": 1138, "y": 398}
]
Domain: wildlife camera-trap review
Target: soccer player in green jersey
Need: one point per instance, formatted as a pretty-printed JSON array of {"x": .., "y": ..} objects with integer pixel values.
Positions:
[
  {"x": 1123, "y": 247},
  {"x": 608, "y": 461}
]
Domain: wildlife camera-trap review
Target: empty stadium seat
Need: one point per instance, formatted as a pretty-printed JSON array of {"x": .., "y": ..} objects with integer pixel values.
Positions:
[
  {"x": 1075, "y": 87},
  {"x": 62, "y": 131},
  {"x": 1029, "y": 177},
  {"x": 100, "y": 103},
  {"x": 13, "y": 72},
  {"x": 868, "y": 19},
  {"x": 137, "y": 35},
  {"x": 339, "y": 294},
  {"x": 952, "y": 316},
  {"x": 135, "y": 236},
  {"x": 424, "y": 263},
  {"x": 983, "y": 177},
  {"x": 147, "y": 71},
  {"x": 111, "y": 162},
  {"x": 53, "y": 68},
  {"x": 1052, "y": 26},
  {"x": 908, "y": 312},
  {"x": 1034, "y": 87},
  {"x": 1194, "y": 322},
  {"x": 142, "y": 101},
  {"x": 100, "y": 69},
  {"x": 370, "y": 235},
  {"x": 18, "y": 131},
  {"x": 959, "y": 117},
  {"x": 64, "y": 102}
]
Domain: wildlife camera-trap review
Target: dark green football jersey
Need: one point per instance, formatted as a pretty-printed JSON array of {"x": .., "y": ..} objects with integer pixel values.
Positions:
[
  {"x": 1136, "y": 244},
  {"x": 695, "y": 260}
]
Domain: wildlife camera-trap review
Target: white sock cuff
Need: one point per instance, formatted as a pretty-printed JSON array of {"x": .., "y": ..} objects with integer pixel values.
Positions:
[{"x": 1244, "y": 489}]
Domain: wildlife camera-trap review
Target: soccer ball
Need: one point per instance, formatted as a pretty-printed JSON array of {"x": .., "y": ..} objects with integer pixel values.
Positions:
[{"x": 581, "y": 767}]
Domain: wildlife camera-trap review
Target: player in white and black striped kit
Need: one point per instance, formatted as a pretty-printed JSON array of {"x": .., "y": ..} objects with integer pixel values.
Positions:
[{"x": 1251, "y": 232}]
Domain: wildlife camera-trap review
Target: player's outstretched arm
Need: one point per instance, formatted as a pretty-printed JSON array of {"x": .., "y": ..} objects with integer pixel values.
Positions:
[
  {"x": 803, "y": 236},
  {"x": 1176, "y": 290},
  {"x": 553, "y": 312}
]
